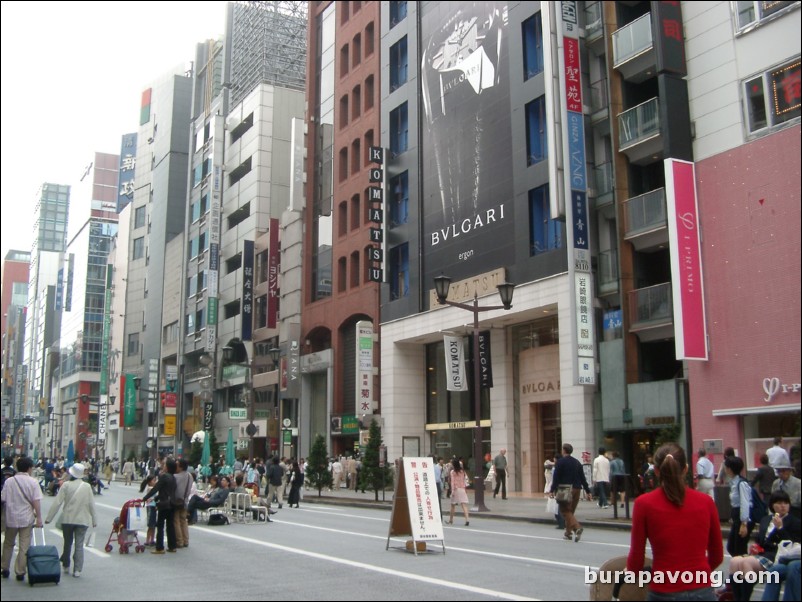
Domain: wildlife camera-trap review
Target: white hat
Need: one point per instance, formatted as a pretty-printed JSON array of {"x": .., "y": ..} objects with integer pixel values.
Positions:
[{"x": 77, "y": 471}]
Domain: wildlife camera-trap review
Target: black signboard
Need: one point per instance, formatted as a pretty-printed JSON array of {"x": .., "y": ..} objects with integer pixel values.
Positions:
[{"x": 668, "y": 39}]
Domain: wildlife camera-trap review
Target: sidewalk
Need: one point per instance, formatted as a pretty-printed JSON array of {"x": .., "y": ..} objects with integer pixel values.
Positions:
[{"x": 529, "y": 507}]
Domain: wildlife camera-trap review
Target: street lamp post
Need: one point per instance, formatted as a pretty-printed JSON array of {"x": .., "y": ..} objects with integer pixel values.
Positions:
[{"x": 505, "y": 290}]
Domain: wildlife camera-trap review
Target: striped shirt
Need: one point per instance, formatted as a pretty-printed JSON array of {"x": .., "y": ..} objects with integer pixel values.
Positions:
[{"x": 19, "y": 493}]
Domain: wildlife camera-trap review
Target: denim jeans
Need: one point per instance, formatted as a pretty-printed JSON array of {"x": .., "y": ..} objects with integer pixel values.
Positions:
[
  {"x": 77, "y": 533},
  {"x": 788, "y": 573},
  {"x": 702, "y": 593}
]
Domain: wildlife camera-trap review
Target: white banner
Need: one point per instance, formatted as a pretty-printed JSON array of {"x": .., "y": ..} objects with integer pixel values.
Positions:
[
  {"x": 455, "y": 363},
  {"x": 424, "y": 506}
]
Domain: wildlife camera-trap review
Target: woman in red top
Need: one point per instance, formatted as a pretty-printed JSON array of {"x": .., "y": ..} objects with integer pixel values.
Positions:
[{"x": 683, "y": 528}]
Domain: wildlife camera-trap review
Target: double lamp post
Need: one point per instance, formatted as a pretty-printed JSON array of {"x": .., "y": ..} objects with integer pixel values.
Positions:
[{"x": 505, "y": 291}]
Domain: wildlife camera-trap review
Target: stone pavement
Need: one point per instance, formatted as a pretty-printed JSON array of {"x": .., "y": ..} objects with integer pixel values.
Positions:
[{"x": 529, "y": 507}]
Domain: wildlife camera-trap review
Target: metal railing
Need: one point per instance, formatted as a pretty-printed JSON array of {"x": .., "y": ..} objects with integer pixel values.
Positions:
[
  {"x": 645, "y": 212},
  {"x": 639, "y": 123},
  {"x": 632, "y": 39},
  {"x": 651, "y": 304}
]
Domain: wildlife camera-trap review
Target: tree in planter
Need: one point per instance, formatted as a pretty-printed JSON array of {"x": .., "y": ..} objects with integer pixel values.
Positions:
[
  {"x": 317, "y": 466},
  {"x": 195, "y": 453},
  {"x": 372, "y": 476}
]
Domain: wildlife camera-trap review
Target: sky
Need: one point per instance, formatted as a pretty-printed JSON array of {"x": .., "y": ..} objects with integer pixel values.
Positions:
[{"x": 71, "y": 82}]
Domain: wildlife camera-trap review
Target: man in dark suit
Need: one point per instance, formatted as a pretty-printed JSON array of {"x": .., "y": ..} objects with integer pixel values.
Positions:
[{"x": 568, "y": 472}]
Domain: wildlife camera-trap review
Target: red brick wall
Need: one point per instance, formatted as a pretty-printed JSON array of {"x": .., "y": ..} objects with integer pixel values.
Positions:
[{"x": 749, "y": 204}]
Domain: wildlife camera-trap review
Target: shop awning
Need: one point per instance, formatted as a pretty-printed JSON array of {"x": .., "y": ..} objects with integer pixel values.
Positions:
[{"x": 788, "y": 407}]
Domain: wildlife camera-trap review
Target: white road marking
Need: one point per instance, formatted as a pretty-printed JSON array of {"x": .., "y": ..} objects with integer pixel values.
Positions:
[
  {"x": 376, "y": 569},
  {"x": 98, "y": 553}
]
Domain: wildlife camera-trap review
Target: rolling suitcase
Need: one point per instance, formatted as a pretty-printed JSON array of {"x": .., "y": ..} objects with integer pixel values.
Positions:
[{"x": 44, "y": 565}]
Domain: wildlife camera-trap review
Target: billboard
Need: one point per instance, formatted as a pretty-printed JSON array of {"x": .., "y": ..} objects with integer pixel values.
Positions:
[{"x": 467, "y": 205}]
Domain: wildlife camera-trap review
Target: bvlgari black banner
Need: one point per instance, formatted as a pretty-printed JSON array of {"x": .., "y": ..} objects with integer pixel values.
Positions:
[{"x": 468, "y": 217}]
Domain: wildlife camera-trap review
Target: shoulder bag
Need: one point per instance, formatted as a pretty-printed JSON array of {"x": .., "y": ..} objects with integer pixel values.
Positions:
[{"x": 565, "y": 494}]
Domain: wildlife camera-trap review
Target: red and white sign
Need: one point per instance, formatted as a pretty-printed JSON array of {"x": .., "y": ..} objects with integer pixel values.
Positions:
[
  {"x": 424, "y": 505},
  {"x": 573, "y": 75},
  {"x": 690, "y": 327}
]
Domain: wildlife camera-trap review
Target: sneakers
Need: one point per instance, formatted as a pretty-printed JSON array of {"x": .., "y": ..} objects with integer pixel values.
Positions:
[
  {"x": 578, "y": 534},
  {"x": 157, "y": 551},
  {"x": 76, "y": 574},
  {"x": 66, "y": 568},
  {"x": 6, "y": 574},
  {"x": 21, "y": 577},
  {"x": 567, "y": 536}
]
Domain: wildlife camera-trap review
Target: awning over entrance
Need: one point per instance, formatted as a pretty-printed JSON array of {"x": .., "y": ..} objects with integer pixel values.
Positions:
[{"x": 788, "y": 407}]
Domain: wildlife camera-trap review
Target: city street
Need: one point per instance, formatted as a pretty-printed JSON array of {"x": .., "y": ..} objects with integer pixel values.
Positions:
[{"x": 329, "y": 552}]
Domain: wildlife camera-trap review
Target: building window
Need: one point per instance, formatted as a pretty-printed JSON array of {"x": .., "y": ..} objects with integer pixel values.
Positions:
[
  {"x": 231, "y": 309},
  {"x": 140, "y": 213},
  {"x": 356, "y": 103},
  {"x": 399, "y": 199},
  {"x": 751, "y": 13},
  {"x": 355, "y": 269},
  {"x": 233, "y": 264},
  {"x": 369, "y": 93},
  {"x": 356, "y": 50},
  {"x": 399, "y": 130},
  {"x": 533, "y": 46},
  {"x": 355, "y": 213},
  {"x": 545, "y": 233},
  {"x": 341, "y": 275},
  {"x": 536, "y": 147},
  {"x": 241, "y": 128},
  {"x": 344, "y": 12},
  {"x": 398, "y": 12},
  {"x": 200, "y": 324},
  {"x": 240, "y": 172},
  {"x": 342, "y": 218},
  {"x": 344, "y": 111},
  {"x": 192, "y": 286},
  {"x": 356, "y": 156},
  {"x": 772, "y": 98},
  {"x": 139, "y": 248},
  {"x": 399, "y": 271},
  {"x": 240, "y": 215},
  {"x": 344, "y": 61},
  {"x": 398, "y": 64},
  {"x": 133, "y": 343},
  {"x": 343, "y": 164},
  {"x": 369, "y": 35}
]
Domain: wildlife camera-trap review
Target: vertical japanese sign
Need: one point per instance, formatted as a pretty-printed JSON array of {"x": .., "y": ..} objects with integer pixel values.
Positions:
[
  {"x": 424, "y": 505},
  {"x": 690, "y": 327},
  {"x": 104, "y": 354},
  {"x": 247, "y": 291},
  {"x": 129, "y": 405},
  {"x": 59, "y": 289},
  {"x": 273, "y": 268},
  {"x": 668, "y": 39},
  {"x": 455, "y": 363},
  {"x": 364, "y": 366},
  {"x": 376, "y": 212},
  {"x": 208, "y": 416},
  {"x": 213, "y": 275},
  {"x": 486, "y": 373},
  {"x": 125, "y": 190}
]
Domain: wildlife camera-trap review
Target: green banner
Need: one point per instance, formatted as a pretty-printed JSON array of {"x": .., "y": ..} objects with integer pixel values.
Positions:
[
  {"x": 129, "y": 416},
  {"x": 350, "y": 425},
  {"x": 104, "y": 356}
]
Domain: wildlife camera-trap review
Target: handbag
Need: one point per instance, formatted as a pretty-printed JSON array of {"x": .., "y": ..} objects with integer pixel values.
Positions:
[
  {"x": 565, "y": 494},
  {"x": 551, "y": 506},
  {"x": 137, "y": 518},
  {"x": 787, "y": 551}
]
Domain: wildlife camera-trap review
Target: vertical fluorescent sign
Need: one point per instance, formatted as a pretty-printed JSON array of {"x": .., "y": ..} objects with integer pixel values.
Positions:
[{"x": 690, "y": 327}]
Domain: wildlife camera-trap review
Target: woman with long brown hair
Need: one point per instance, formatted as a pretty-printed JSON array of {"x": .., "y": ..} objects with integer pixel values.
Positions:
[{"x": 683, "y": 528}]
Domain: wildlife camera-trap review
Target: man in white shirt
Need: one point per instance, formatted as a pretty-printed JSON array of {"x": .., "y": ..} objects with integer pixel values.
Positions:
[
  {"x": 705, "y": 472},
  {"x": 337, "y": 473},
  {"x": 601, "y": 476},
  {"x": 777, "y": 455},
  {"x": 22, "y": 498}
]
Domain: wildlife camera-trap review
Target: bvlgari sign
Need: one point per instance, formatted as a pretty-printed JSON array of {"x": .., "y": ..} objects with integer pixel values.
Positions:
[{"x": 540, "y": 370}]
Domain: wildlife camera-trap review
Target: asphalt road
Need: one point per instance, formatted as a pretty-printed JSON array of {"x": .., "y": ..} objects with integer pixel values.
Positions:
[{"x": 326, "y": 552}]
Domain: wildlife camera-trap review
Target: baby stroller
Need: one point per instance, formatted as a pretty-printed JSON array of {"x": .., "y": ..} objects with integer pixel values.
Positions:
[{"x": 132, "y": 516}]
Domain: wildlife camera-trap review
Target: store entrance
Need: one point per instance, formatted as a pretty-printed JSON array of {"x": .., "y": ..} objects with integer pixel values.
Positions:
[{"x": 450, "y": 443}]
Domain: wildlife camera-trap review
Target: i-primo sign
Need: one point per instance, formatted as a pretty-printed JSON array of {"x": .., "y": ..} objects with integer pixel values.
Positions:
[{"x": 376, "y": 213}]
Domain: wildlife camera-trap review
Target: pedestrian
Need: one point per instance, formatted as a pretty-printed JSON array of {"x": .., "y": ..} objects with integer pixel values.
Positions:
[
  {"x": 336, "y": 473},
  {"x": 682, "y": 526},
  {"x": 500, "y": 467},
  {"x": 459, "y": 481},
  {"x": 773, "y": 528},
  {"x": 777, "y": 454},
  {"x": 128, "y": 471},
  {"x": 183, "y": 485},
  {"x": 296, "y": 479},
  {"x": 618, "y": 475},
  {"x": 791, "y": 485},
  {"x": 548, "y": 472},
  {"x": 601, "y": 476},
  {"x": 721, "y": 479},
  {"x": 275, "y": 483},
  {"x": 438, "y": 477},
  {"x": 764, "y": 478},
  {"x": 740, "y": 500},
  {"x": 77, "y": 515},
  {"x": 568, "y": 471},
  {"x": 648, "y": 476},
  {"x": 165, "y": 489},
  {"x": 147, "y": 484},
  {"x": 108, "y": 473},
  {"x": 21, "y": 497},
  {"x": 705, "y": 473}
]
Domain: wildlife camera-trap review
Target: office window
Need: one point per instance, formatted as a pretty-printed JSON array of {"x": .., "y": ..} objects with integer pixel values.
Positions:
[
  {"x": 398, "y": 12},
  {"x": 190, "y": 323},
  {"x": 545, "y": 233},
  {"x": 772, "y": 98},
  {"x": 399, "y": 130},
  {"x": 750, "y": 13},
  {"x": 356, "y": 103},
  {"x": 369, "y": 92},
  {"x": 343, "y": 111},
  {"x": 341, "y": 274},
  {"x": 139, "y": 248},
  {"x": 399, "y": 199},
  {"x": 533, "y": 46},
  {"x": 399, "y": 271},
  {"x": 192, "y": 286},
  {"x": 196, "y": 211},
  {"x": 200, "y": 324},
  {"x": 231, "y": 309},
  {"x": 355, "y": 213},
  {"x": 369, "y": 42},
  {"x": 398, "y": 64},
  {"x": 342, "y": 218},
  {"x": 133, "y": 343},
  {"x": 344, "y": 60},
  {"x": 239, "y": 172},
  {"x": 355, "y": 269},
  {"x": 356, "y": 49},
  {"x": 536, "y": 147},
  {"x": 343, "y": 164},
  {"x": 356, "y": 156},
  {"x": 140, "y": 213}
]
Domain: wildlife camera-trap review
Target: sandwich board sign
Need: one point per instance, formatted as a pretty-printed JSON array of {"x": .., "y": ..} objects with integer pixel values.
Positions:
[{"x": 416, "y": 507}]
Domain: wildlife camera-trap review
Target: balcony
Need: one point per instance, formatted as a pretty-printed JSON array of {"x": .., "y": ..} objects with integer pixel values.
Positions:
[
  {"x": 599, "y": 105},
  {"x": 604, "y": 183},
  {"x": 639, "y": 134},
  {"x": 652, "y": 313},
  {"x": 633, "y": 50},
  {"x": 594, "y": 27},
  {"x": 645, "y": 222},
  {"x": 607, "y": 275}
]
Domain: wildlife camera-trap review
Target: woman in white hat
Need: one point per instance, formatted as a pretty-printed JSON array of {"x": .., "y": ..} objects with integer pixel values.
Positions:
[{"x": 76, "y": 517}]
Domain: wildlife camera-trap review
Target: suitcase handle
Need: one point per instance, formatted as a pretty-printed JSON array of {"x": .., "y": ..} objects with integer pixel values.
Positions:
[{"x": 42, "y": 529}]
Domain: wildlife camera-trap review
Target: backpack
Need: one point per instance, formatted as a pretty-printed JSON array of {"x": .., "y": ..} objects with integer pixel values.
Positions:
[
  {"x": 217, "y": 520},
  {"x": 757, "y": 507}
]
